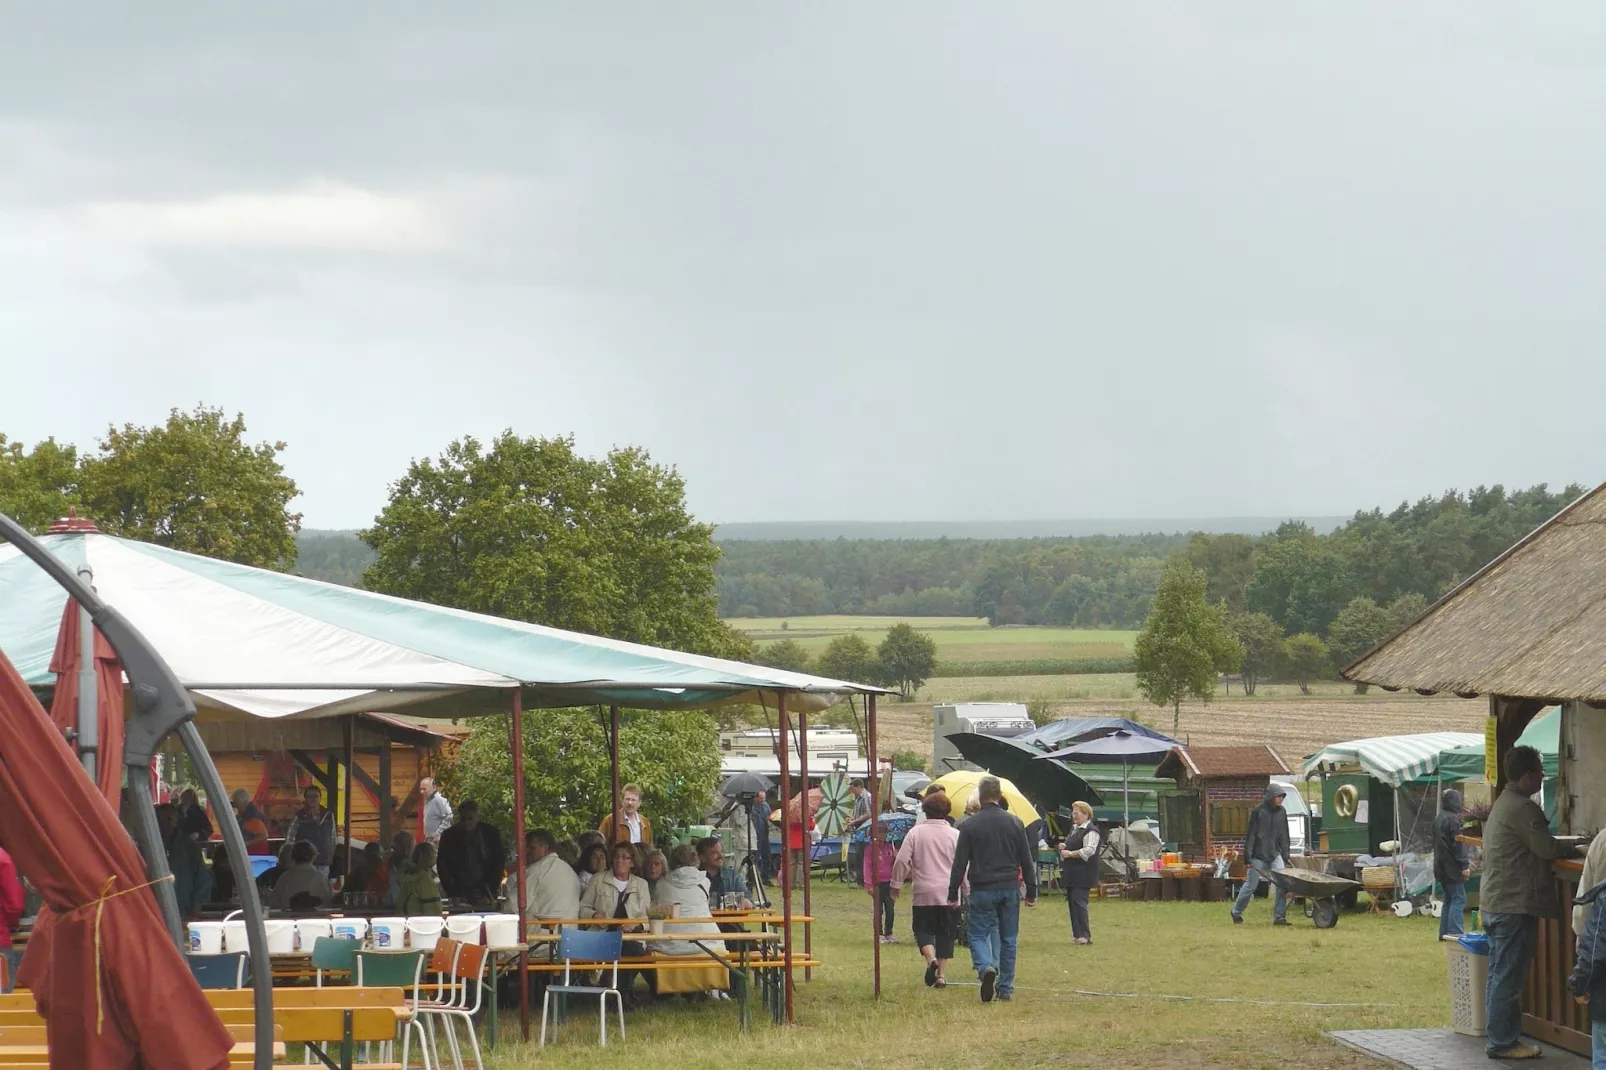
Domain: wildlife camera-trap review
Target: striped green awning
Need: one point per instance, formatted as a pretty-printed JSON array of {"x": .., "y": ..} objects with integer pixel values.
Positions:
[{"x": 1394, "y": 760}]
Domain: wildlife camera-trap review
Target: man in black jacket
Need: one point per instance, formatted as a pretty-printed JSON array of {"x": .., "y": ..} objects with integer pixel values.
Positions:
[
  {"x": 1451, "y": 866},
  {"x": 470, "y": 861},
  {"x": 1265, "y": 844},
  {"x": 992, "y": 848}
]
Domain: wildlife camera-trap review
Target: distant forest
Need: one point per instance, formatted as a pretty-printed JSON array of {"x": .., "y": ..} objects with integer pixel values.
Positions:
[{"x": 1300, "y": 578}]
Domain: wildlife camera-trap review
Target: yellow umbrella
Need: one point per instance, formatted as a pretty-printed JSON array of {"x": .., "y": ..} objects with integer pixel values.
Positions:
[{"x": 961, "y": 785}]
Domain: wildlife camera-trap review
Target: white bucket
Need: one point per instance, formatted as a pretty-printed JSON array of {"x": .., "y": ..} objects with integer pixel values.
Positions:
[
  {"x": 349, "y": 928},
  {"x": 389, "y": 933},
  {"x": 465, "y": 928},
  {"x": 234, "y": 938},
  {"x": 310, "y": 930},
  {"x": 281, "y": 936},
  {"x": 425, "y": 931},
  {"x": 206, "y": 937},
  {"x": 501, "y": 930}
]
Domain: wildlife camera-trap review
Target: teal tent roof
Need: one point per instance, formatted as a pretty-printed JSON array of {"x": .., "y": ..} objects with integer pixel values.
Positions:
[
  {"x": 1394, "y": 760},
  {"x": 263, "y": 643},
  {"x": 1543, "y": 734}
]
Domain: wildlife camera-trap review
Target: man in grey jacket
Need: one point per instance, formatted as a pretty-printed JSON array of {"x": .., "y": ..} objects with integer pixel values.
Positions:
[
  {"x": 1518, "y": 890},
  {"x": 1265, "y": 844}
]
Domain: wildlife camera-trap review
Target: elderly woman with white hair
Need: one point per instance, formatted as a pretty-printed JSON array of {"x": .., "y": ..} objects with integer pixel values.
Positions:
[{"x": 1079, "y": 867}]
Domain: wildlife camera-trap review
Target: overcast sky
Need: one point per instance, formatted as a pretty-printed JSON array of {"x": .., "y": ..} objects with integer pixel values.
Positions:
[{"x": 837, "y": 260}]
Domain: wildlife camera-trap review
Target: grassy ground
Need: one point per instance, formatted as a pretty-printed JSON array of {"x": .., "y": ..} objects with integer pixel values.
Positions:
[
  {"x": 1163, "y": 962},
  {"x": 961, "y": 639}
]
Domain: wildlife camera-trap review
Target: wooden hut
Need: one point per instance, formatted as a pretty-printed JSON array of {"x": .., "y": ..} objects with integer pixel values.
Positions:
[
  {"x": 1526, "y": 632},
  {"x": 1216, "y": 789}
]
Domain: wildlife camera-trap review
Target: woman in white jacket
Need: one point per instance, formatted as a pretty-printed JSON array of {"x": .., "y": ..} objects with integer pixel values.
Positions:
[{"x": 686, "y": 887}]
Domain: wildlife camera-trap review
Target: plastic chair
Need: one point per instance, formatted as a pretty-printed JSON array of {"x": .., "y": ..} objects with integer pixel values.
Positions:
[
  {"x": 226, "y": 970},
  {"x": 592, "y": 948},
  {"x": 398, "y": 969},
  {"x": 448, "y": 995},
  {"x": 467, "y": 970},
  {"x": 335, "y": 954}
]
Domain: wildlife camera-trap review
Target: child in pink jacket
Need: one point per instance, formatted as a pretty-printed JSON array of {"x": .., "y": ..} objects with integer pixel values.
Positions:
[{"x": 878, "y": 862}]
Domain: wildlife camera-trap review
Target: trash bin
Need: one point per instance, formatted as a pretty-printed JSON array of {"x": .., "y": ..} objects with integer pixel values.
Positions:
[{"x": 1469, "y": 973}]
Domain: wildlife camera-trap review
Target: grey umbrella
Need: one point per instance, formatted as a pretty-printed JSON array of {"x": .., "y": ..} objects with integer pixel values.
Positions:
[{"x": 1126, "y": 746}]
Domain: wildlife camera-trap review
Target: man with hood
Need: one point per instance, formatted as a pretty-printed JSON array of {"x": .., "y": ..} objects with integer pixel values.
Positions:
[
  {"x": 1265, "y": 845},
  {"x": 1451, "y": 865}
]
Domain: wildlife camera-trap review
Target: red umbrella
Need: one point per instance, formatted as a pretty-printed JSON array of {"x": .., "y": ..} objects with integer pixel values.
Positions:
[
  {"x": 794, "y": 806},
  {"x": 108, "y": 698},
  {"x": 114, "y": 990}
]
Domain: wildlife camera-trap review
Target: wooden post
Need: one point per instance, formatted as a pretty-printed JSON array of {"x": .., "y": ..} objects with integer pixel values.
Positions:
[
  {"x": 517, "y": 742},
  {"x": 387, "y": 803},
  {"x": 613, "y": 769},
  {"x": 874, "y": 770},
  {"x": 1511, "y": 717},
  {"x": 808, "y": 853},
  {"x": 348, "y": 732},
  {"x": 786, "y": 848},
  {"x": 332, "y": 786}
]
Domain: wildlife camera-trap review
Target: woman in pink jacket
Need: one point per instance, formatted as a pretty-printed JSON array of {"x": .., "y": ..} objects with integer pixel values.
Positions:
[{"x": 927, "y": 856}]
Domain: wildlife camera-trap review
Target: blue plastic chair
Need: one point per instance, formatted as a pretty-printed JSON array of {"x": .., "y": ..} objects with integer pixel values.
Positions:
[
  {"x": 227, "y": 970},
  {"x": 590, "y": 948}
]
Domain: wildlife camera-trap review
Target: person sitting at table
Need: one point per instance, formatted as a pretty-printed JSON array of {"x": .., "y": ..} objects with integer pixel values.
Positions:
[
  {"x": 686, "y": 887},
  {"x": 569, "y": 851},
  {"x": 654, "y": 868},
  {"x": 270, "y": 876},
  {"x": 471, "y": 861},
  {"x": 302, "y": 887},
  {"x": 722, "y": 880},
  {"x": 618, "y": 893},
  {"x": 192, "y": 881},
  {"x": 396, "y": 863},
  {"x": 253, "y": 823},
  {"x": 367, "y": 874},
  {"x": 551, "y": 889},
  {"x": 593, "y": 860},
  {"x": 419, "y": 893}
]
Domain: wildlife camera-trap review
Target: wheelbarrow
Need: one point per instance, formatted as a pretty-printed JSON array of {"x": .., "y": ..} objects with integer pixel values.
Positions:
[{"x": 1317, "y": 890}]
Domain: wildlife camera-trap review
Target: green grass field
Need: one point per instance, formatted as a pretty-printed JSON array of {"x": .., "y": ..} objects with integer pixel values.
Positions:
[
  {"x": 959, "y": 639},
  {"x": 1164, "y": 985}
]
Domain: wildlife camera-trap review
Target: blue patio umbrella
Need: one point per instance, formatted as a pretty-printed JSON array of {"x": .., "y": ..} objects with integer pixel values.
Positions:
[{"x": 1129, "y": 747}]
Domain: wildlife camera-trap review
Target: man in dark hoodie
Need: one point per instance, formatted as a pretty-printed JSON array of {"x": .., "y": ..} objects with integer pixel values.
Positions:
[
  {"x": 1451, "y": 867},
  {"x": 1265, "y": 845}
]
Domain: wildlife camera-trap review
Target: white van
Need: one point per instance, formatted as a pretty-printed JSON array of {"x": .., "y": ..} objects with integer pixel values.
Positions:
[{"x": 1298, "y": 816}]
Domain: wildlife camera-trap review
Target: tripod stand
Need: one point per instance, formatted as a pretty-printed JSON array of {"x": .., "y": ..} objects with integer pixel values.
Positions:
[{"x": 748, "y": 867}]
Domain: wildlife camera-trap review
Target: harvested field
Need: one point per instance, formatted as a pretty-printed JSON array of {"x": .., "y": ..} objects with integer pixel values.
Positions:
[{"x": 1294, "y": 724}]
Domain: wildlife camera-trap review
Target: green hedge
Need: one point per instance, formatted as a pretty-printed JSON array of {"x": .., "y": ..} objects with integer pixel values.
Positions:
[{"x": 1035, "y": 667}]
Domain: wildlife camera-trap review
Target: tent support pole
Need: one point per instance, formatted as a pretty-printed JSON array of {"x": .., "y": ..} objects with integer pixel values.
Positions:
[
  {"x": 88, "y": 689},
  {"x": 387, "y": 802},
  {"x": 348, "y": 737},
  {"x": 613, "y": 769},
  {"x": 786, "y": 848},
  {"x": 517, "y": 743},
  {"x": 875, "y": 827},
  {"x": 808, "y": 869}
]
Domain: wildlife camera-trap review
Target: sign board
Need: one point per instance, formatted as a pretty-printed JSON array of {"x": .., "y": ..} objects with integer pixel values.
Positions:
[{"x": 1491, "y": 750}]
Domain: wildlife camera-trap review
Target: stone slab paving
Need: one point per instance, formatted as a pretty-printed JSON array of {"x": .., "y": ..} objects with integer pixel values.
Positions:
[{"x": 1442, "y": 1049}]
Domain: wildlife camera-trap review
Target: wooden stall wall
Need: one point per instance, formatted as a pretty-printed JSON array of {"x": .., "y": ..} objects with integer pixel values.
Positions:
[{"x": 277, "y": 778}]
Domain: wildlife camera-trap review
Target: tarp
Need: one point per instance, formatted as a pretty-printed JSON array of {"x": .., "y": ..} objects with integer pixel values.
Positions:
[
  {"x": 1394, "y": 760},
  {"x": 114, "y": 990},
  {"x": 108, "y": 699},
  {"x": 1067, "y": 730},
  {"x": 249, "y": 641},
  {"x": 1543, "y": 734}
]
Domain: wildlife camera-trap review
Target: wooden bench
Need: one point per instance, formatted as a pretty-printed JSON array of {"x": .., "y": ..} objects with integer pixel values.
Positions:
[{"x": 25, "y": 1047}]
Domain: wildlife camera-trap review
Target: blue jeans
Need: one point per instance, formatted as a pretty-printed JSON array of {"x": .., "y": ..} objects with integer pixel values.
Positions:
[
  {"x": 1259, "y": 870},
  {"x": 992, "y": 921},
  {"x": 1597, "y": 1045},
  {"x": 1511, "y": 950},
  {"x": 1453, "y": 916},
  {"x": 13, "y": 960}
]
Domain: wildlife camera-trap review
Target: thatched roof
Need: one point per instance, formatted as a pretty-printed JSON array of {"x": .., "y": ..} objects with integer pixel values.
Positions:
[{"x": 1530, "y": 624}]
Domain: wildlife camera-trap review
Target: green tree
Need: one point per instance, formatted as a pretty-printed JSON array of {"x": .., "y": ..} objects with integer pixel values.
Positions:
[
  {"x": 907, "y": 658},
  {"x": 37, "y": 486},
  {"x": 194, "y": 484},
  {"x": 1404, "y": 610},
  {"x": 1228, "y": 561},
  {"x": 1299, "y": 581},
  {"x": 786, "y": 654},
  {"x": 849, "y": 658},
  {"x": 910, "y": 760},
  {"x": 531, "y": 530},
  {"x": 673, "y": 755},
  {"x": 1358, "y": 628},
  {"x": 1184, "y": 644},
  {"x": 1305, "y": 658},
  {"x": 1262, "y": 641}
]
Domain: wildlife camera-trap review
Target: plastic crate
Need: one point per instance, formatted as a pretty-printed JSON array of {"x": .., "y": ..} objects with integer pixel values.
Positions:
[{"x": 1469, "y": 974}]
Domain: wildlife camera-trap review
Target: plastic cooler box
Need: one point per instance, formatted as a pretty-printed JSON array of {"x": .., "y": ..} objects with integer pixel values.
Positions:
[{"x": 1468, "y": 959}]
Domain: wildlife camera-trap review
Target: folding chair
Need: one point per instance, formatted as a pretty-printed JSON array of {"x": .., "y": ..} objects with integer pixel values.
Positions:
[
  {"x": 599, "y": 947},
  {"x": 335, "y": 954},
  {"x": 467, "y": 971},
  {"x": 226, "y": 970},
  {"x": 404, "y": 970}
]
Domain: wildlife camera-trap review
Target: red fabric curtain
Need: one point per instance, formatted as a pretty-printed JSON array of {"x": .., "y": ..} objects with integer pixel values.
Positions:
[
  {"x": 108, "y": 699},
  {"x": 114, "y": 991}
]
